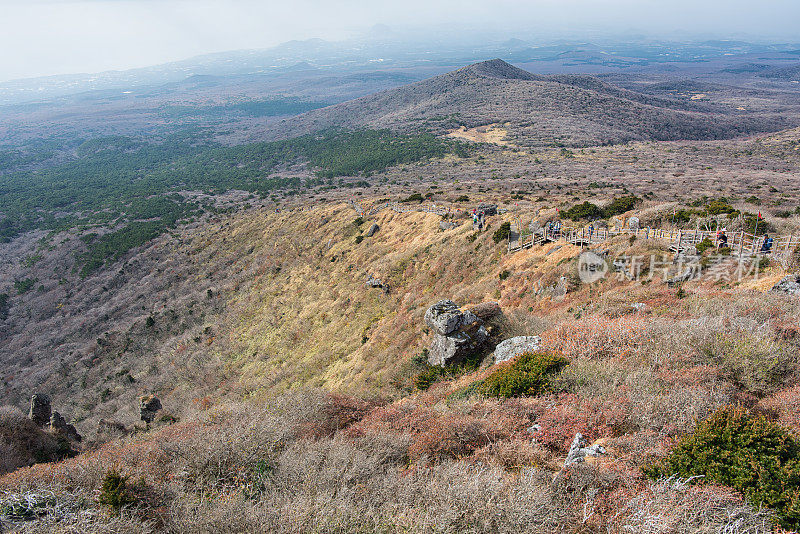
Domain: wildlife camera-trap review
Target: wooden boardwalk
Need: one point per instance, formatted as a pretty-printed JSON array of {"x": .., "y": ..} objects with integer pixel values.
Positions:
[{"x": 680, "y": 241}]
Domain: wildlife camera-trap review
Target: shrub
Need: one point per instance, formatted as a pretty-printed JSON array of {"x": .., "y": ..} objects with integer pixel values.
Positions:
[
  {"x": 746, "y": 452},
  {"x": 502, "y": 232},
  {"x": 621, "y": 205},
  {"x": 415, "y": 197},
  {"x": 504, "y": 275},
  {"x": 115, "y": 492},
  {"x": 587, "y": 210},
  {"x": 755, "y": 224},
  {"x": 719, "y": 207},
  {"x": 426, "y": 378},
  {"x": 704, "y": 245},
  {"x": 528, "y": 374},
  {"x": 23, "y": 286},
  {"x": 359, "y": 239}
]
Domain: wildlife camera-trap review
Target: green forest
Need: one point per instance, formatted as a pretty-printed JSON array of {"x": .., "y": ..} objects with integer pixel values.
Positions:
[{"x": 129, "y": 184}]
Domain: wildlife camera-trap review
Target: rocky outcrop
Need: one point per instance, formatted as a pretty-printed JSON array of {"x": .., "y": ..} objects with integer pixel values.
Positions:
[
  {"x": 447, "y": 225},
  {"x": 40, "y": 409},
  {"x": 149, "y": 406},
  {"x": 457, "y": 334},
  {"x": 372, "y": 229},
  {"x": 578, "y": 451},
  {"x": 789, "y": 285},
  {"x": 513, "y": 347},
  {"x": 59, "y": 425}
]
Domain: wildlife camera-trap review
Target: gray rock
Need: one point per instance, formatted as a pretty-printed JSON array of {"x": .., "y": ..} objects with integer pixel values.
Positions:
[
  {"x": 452, "y": 348},
  {"x": 149, "y": 405},
  {"x": 372, "y": 229},
  {"x": 789, "y": 285},
  {"x": 457, "y": 334},
  {"x": 40, "y": 409},
  {"x": 446, "y": 225},
  {"x": 578, "y": 451},
  {"x": 60, "y": 426},
  {"x": 444, "y": 317},
  {"x": 513, "y": 347}
]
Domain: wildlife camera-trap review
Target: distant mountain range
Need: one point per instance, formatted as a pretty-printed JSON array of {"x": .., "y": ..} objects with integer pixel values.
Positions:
[{"x": 385, "y": 49}]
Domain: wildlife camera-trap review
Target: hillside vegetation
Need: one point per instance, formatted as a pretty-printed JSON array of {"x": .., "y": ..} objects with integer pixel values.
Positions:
[{"x": 540, "y": 110}]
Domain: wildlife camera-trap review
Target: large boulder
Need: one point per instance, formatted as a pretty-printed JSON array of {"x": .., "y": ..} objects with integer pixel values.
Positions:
[
  {"x": 444, "y": 317},
  {"x": 789, "y": 285},
  {"x": 457, "y": 334},
  {"x": 372, "y": 229},
  {"x": 40, "y": 409},
  {"x": 513, "y": 347}
]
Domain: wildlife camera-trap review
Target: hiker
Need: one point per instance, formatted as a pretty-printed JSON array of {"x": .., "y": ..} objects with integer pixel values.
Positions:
[
  {"x": 722, "y": 239},
  {"x": 766, "y": 247},
  {"x": 556, "y": 228},
  {"x": 591, "y": 231}
]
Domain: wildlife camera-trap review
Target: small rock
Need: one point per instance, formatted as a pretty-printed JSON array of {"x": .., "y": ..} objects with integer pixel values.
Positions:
[
  {"x": 789, "y": 285},
  {"x": 513, "y": 347},
  {"x": 375, "y": 283},
  {"x": 578, "y": 451},
  {"x": 372, "y": 229},
  {"x": 149, "y": 405},
  {"x": 40, "y": 409},
  {"x": 446, "y": 225}
]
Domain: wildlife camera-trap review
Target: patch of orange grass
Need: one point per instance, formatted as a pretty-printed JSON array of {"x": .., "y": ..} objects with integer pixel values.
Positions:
[{"x": 597, "y": 336}]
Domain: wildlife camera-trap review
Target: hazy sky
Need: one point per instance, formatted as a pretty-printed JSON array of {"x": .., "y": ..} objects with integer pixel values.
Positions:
[{"x": 42, "y": 37}]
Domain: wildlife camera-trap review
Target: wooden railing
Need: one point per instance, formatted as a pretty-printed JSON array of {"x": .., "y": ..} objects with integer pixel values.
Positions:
[{"x": 741, "y": 243}]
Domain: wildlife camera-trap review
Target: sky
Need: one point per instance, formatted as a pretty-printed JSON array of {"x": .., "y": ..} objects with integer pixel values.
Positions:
[{"x": 46, "y": 37}]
